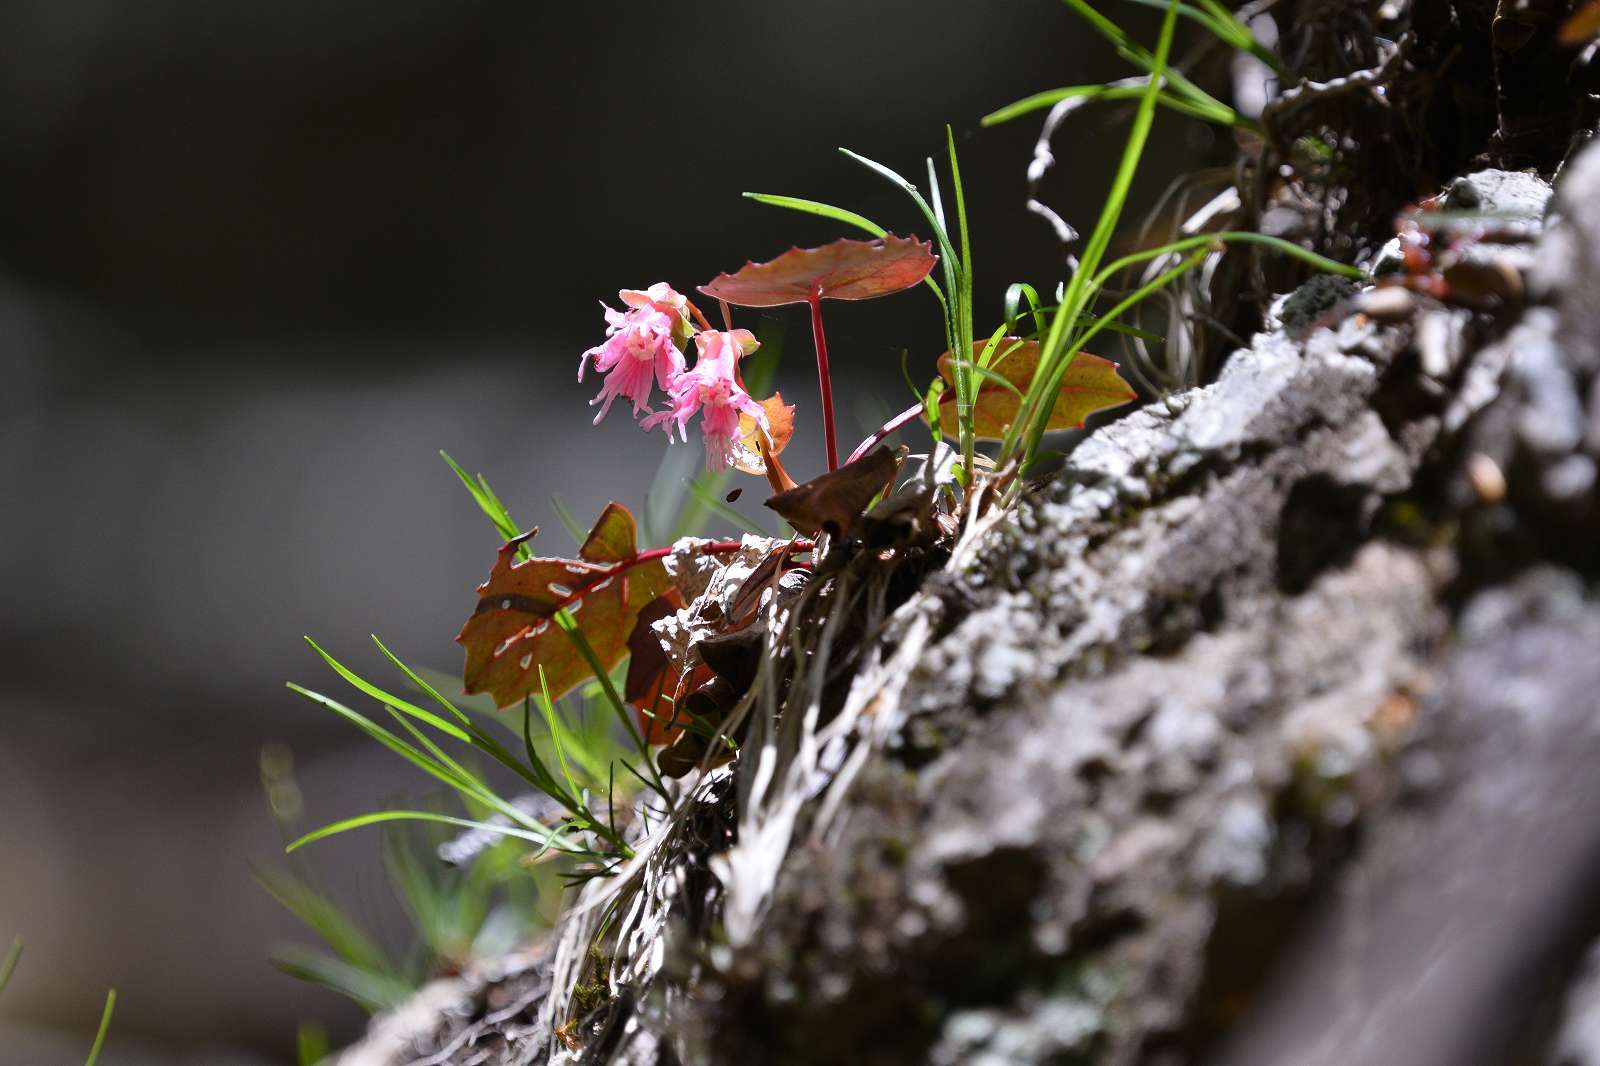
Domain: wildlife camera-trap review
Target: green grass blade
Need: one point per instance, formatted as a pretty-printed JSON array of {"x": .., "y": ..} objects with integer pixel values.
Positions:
[
  {"x": 421, "y": 892},
  {"x": 479, "y": 708},
  {"x": 546, "y": 837},
  {"x": 964, "y": 300},
  {"x": 1289, "y": 248},
  {"x": 1016, "y": 292},
  {"x": 1123, "y": 328},
  {"x": 1220, "y": 114},
  {"x": 910, "y": 190},
  {"x": 569, "y": 626},
  {"x": 1139, "y": 55},
  {"x": 989, "y": 375},
  {"x": 311, "y": 1044},
  {"x": 569, "y": 520},
  {"x": 438, "y": 753},
  {"x": 9, "y": 966},
  {"x": 534, "y": 773},
  {"x": 554, "y": 725},
  {"x": 447, "y": 728},
  {"x": 816, "y": 207},
  {"x": 486, "y": 500},
  {"x": 375, "y": 992},
  {"x": 1028, "y": 428},
  {"x": 1228, "y": 30},
  {"x": 468, "y": 785},
  {"x": 105, "y": 1025},
  {"x": 716, "y": 505},
  {"x": 1139, "y": 294},
  {"x": 323, "y": 917},
  {"x": 936, "y": 200}
]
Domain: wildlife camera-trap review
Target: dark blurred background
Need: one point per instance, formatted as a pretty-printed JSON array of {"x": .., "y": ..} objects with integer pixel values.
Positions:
[{"x": 258, "y": 262}]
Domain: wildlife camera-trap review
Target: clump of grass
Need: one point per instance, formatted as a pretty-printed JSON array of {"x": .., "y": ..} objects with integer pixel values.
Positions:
[{"x": 1079, "y": 313}]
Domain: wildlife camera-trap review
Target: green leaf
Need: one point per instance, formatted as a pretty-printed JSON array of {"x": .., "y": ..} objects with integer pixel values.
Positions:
[
  {"x": 486, "y": 500},
  {"x": 311, "y": 1044},
  {"x": 468, "y": 785},
  {"x": 815, "y": 207},
  {"x": 323, "y": 917},
  {"x": 1015, "y": 293},
  {"x": 945, "y": 248},
  {"x": 105, "y": 1024},
  {"x": 396, "y": 702},
  {"x": 375, "y": 992},
  {"x": 9, "y": 966},
  {"x": 1221, "y": 114},
  {"x": 1029, "y": 426},
  {"x": 544, "y": 837},
  {"x": 1229, "y": 237}
]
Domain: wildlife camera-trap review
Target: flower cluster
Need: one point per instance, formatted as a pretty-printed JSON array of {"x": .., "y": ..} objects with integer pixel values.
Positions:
[{"x": 644, "y": 347}]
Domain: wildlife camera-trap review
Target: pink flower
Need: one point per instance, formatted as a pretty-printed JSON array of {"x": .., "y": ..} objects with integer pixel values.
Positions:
[
  {"x": 642, "y": 345},
  {"x": 712, "y": 391}
]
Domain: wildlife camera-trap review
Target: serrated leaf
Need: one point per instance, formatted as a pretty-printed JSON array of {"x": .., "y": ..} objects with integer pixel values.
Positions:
[
  {"x": 512, "y": 633},
  {"x": 1091, "y": 384},
  {"x": 847, "y": 269}
]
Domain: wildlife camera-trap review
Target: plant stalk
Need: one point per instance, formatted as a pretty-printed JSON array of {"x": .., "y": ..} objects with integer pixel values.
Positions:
[
  {"x": 910, "y": 414},
  {"x": 824, "y": 380}
]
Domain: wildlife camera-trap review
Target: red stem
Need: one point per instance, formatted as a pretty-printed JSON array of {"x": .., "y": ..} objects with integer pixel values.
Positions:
[
  {"x": 715, "y": 547},
  {"x": 908, "y": 415},
  {"x": 823, "y": 378}
]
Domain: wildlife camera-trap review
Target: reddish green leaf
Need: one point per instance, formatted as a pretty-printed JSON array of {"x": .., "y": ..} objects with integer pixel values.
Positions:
[
  {"x": 1091, "y": 384},
  {"x": 844, "y": 270},
  {"x": 512, "y": 633}
]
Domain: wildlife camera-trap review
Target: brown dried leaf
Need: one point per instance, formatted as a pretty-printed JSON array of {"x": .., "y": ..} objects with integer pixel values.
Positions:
[{"x": 830, "y": 502}]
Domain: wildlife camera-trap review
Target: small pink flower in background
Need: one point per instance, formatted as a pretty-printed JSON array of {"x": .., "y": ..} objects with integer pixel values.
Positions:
[
  {"x": 712, "y": 391},
  {"x": 641, "y": 347}
]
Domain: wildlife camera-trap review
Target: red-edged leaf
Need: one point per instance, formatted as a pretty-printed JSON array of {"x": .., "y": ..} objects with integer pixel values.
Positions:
[
  {"x": 1091, "y": 384},
  {"x": 830, "y": 502},
  {"x": 780, "y": 423},
  {"x": 844, "y": 270},
  {"x": 512, "y": 634}
]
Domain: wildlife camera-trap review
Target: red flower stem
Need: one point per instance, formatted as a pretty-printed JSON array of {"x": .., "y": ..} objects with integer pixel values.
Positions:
[
  {"x": 727, "y": 315},
  {"x": 910, "y": 414},
  {"x": 599, "y": 576},
  {"x": 699, "y": 316},
  {"x": 823, "y": 378}
]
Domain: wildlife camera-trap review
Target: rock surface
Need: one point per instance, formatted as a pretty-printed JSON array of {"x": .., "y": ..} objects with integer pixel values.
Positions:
[{"x": 1269, "y": 736}]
